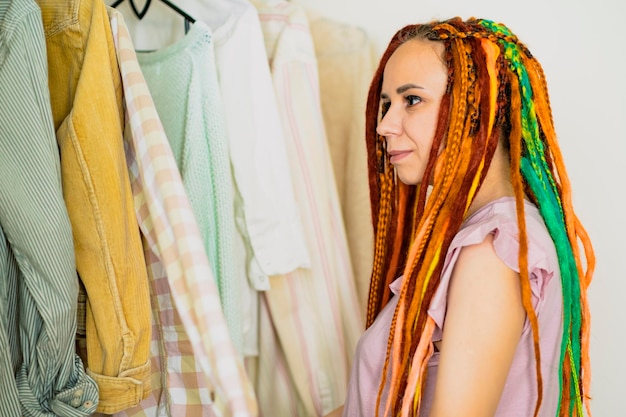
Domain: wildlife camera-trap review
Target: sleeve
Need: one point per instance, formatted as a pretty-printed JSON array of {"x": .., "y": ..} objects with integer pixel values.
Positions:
[{"x": 541, "y": 259}]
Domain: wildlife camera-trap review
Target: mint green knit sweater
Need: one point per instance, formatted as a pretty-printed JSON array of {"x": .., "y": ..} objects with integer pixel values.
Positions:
[{"x": 182, "y": 79}]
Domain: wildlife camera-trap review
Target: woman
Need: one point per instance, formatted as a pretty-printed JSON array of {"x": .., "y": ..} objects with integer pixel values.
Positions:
[{"x": 472, "y": 209}]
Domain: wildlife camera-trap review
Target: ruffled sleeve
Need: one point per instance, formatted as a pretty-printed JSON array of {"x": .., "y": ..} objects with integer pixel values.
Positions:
[{"x": 500, "y": 220}]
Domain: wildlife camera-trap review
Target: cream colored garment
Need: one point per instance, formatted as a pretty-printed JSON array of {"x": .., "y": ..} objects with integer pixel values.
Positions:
[
  {"x": 310, "y": 319},
  {"x": 346, "y": 61}
]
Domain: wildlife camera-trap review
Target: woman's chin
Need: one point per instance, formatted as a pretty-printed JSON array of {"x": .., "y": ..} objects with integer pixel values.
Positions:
[{"x": 408, "y": 179}]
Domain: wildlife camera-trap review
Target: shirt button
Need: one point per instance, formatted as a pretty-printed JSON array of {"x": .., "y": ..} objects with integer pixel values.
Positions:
[
  {"x": 75, "y": 402},
  {"x": 78, "y": 393},
  {"x": 88, "y": 404}
]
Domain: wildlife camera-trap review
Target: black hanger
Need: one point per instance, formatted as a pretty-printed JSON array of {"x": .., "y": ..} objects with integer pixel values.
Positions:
[{"x": 141, "y": 13}]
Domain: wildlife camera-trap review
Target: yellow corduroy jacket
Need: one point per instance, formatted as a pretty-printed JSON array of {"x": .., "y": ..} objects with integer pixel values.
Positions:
[{"x": 86, "y": 97}]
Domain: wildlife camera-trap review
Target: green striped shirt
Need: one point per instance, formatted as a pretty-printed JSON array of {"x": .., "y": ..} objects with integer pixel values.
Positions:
[{"x": 40, "y": 373}]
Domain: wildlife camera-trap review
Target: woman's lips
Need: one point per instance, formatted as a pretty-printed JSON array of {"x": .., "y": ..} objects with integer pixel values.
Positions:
[{"x": 396, "y": 156}]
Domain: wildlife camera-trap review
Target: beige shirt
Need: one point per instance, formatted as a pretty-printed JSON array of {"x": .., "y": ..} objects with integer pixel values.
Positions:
[
  {"x": 311, "y": 318},
  {"x": 346, "y": 61}
]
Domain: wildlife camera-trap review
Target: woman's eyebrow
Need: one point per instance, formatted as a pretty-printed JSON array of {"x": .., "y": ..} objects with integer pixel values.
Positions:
[
  {"x": 403, "y": 88},
  {"x": 406, "y": 87}
]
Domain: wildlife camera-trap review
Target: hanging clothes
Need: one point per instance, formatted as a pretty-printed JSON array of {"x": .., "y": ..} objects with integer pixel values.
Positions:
[
  {"x": 183, "y": 83},
  {"x": 346, "y": 61},
  {"x": 270, "y": 229},
  {"x": 258, "y": 155},
  {"x": 312, "y": 317},
  {"x": 270, "y": 238},
  {"x": 40, "y": 374},
  {"x": 86, "y": 98},
  {"x": 196, "y": 370}
]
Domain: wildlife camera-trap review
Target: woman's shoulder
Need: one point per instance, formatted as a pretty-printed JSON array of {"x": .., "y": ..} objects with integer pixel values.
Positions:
[{"x": 501, "y": 212}]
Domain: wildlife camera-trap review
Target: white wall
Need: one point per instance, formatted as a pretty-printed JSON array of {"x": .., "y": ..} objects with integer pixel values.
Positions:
[{"x": 581, "y": 45}]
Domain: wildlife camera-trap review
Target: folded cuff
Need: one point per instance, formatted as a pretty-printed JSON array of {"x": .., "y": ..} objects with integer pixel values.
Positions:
[
  {"x": 123, "y": 391},
  {"x": 79, "y": 398}
]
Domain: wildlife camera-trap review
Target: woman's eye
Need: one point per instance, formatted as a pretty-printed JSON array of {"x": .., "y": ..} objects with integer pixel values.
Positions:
[{"x": 413, "y": 100}]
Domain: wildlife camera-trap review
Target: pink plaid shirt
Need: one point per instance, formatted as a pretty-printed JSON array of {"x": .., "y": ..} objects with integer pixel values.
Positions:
[{"x": 196, "y": 370}]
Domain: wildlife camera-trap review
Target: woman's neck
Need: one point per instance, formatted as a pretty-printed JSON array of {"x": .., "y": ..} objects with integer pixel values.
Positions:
[{"x": 497, "y": 182}]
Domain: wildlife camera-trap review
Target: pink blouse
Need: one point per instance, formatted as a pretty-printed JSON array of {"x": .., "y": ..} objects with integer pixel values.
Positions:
[{"x": 520, "y": 391}]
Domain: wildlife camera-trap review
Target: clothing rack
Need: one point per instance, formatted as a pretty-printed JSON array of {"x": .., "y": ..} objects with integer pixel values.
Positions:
[{"x": 141, "y": 13}]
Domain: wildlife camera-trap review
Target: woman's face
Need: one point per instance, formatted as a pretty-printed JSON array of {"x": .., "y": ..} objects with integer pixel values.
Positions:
[{"x": 414, "y": 82}]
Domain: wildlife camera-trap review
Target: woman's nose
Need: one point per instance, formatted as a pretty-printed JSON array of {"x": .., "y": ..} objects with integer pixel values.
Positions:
[{"x": 389, "y": 125}]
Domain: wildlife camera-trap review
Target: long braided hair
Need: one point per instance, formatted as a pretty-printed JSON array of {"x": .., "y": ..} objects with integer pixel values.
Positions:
[{"x": 495, "y": 88}]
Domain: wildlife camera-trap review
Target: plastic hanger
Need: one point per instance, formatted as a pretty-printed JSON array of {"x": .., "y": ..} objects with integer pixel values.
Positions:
[{"x": 141, "y": 13}]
